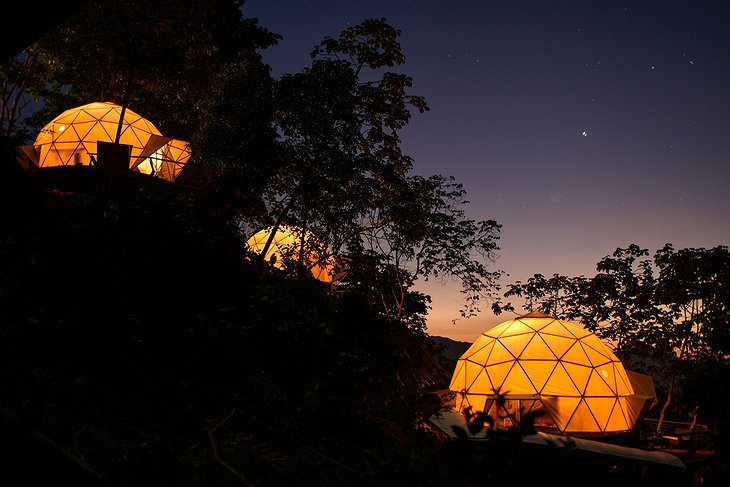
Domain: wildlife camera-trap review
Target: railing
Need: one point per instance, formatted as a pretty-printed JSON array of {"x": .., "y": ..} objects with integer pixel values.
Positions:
[{"x": 678, "y": 435}]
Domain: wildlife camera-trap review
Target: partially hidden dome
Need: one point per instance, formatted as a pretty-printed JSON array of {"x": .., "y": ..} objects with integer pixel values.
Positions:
[
  {"x": 71, "y": 139},
  {"x": 291, "y": 241},
  {"x": 536, "y": 362}
]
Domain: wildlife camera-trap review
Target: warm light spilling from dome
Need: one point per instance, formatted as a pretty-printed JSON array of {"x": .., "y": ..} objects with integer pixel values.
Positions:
[
  {"x": 71, "y": 139},
  {"x": 538, "y": 362},
  {"x": 291, "y": 242}
]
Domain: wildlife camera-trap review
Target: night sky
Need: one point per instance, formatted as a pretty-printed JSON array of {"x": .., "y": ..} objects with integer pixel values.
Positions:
[{"x": 580, "y": 126}]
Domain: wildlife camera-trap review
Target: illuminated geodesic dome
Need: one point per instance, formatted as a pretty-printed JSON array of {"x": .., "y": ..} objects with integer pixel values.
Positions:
[
  {"x": 539, "y": 363},
  {"x": 71, "y": 139},
  {"x": 287, "y": 245}
]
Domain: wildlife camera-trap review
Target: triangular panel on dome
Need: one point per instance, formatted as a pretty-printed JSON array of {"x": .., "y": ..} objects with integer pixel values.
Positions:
[
  {"x": 618, "y": 420},
  {"x": 577, "y": 373},
  {"x": 500, "y": 354},
  {"x": 561, "y": 382},
  {"x": 538, "y": 324},
  {"x": 107, "y": 115},
  {"x": 481, "y": 384},
  {"x": 561, "y": 409},
  {"x": 558, "y": 344},
  {"x": 481, "y": 355},
  {"x": 518, "y": 382},
  {"x": 595, "y": 344},
  {"x": 473, "y": 374},
  {"x": 597, "y": 385},
  {"x": 578, "y": 332},
  {"x": 556, "y": 327},
  {"x": 582, "y": 419},
  {"x": 178, "y": 151},
  {"x": 516, "y": 328},
  {"x": 477, "y": 402},
  {"x": 538, "y": 349},
  {"x": 72, "y": 134},
  {"x": 535, "y": 320},
  {"x": 596, "y": 358},
  {"x": 608, "y": 372},
  {"x": 516, "y": 343},
  {"x": 163, "y": 157},
  {"x": 539, "y": 371},
  {"x": 576, "y": 355},
  {"x": 497, "y": 375},
  {"x": 136, "y": 137}
]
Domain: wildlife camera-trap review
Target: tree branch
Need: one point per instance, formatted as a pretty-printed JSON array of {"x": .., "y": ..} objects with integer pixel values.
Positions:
[{"x": 214, "y": 451}]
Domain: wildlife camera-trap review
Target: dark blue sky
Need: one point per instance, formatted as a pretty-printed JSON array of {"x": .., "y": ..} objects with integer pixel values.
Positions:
[{"x": 580, "y": 126}]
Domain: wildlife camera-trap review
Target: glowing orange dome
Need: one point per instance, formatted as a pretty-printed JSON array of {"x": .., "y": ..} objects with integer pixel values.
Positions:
[
  {"x": 537, "y": 362},
  {"x": 71, "y": 139},
  {"x": 286, "y": 246}
]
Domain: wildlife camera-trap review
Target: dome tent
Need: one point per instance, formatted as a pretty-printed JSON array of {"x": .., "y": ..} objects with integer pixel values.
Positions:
[
  {"x": 287, "y": 245},
  {"x": 71, "y": 139},
  {"x": 536, "y": 362}
]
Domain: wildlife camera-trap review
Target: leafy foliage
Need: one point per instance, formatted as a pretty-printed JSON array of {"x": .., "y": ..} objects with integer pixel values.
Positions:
[
  {"x": 141, "y": 340},
  {"x": 142, "y": 344},
  {"x": 666, "y": 316},
  {"x": 17, "y": 73},
  {"x": 133, "y": 324},
  {"x": 553, "y": 296},
  {"x": 620, "y": 306},
  {"x": 161, "y": 62},
  {"x": 320, "y": 152}
]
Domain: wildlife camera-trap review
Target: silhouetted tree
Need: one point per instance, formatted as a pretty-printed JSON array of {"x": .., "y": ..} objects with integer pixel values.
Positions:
[
  {"x": 618, "y": 302},
  {"x": 157, "y": 56},
  {"x": 556, "y": 296},
  {"x": 138, "y": 336},
  {"x": 343, "y": 176},
  {"x": 692, "y": 290},
  {"x": 673, "y": 323}
]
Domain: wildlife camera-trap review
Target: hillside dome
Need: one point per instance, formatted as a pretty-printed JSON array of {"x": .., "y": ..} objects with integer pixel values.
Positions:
[
  {"x": 71, "y": 139},
  {"x": 289, "y": 243},
  {"x": 538, "y": 362}
]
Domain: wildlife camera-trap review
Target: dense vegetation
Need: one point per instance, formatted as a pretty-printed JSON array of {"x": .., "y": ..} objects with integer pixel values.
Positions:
[
  {"x": 142, "y": 344},
  {"x": 666, "y": 316},
  {"x": 133, "y": 329}
]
